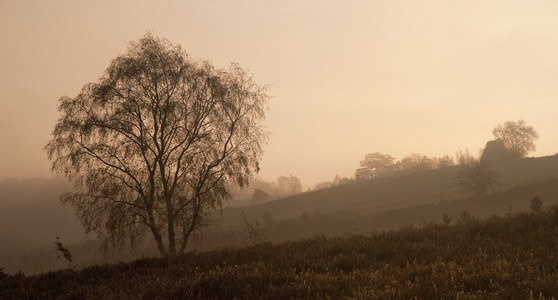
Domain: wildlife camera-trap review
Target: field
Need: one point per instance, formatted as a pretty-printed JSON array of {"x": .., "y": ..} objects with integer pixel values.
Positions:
[{"x": 509, "y": 257}]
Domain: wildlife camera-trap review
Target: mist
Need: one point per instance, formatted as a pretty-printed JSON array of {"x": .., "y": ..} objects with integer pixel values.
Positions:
[
  {"x": 346, "y": 79},
  {"x": 382, "y": 124}
]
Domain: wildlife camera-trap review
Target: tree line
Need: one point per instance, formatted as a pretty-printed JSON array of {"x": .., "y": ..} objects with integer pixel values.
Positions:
[{"x": 512, "y": 140}]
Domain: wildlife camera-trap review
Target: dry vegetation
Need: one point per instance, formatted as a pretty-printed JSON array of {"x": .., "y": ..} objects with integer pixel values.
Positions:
[{"x": 500, "y": 257}]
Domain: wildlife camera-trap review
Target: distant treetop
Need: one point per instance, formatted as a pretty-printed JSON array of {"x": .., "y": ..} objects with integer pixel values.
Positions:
[{"x": 516, "y": 136}]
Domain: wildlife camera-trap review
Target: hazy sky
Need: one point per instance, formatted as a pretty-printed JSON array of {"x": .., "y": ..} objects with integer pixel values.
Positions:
[{"x": 347, "y": 77}]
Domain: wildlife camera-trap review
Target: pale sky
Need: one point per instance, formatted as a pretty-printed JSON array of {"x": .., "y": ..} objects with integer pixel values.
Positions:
[{"x": 347, "y": 77}]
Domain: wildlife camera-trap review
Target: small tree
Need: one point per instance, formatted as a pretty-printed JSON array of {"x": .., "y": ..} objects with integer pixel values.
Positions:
[
  {"x": 156, "y": 143},
  {"x": 64, "y": 251},
  {"x": 517, "y": 136},
  {"x": 254, "y": 230}
]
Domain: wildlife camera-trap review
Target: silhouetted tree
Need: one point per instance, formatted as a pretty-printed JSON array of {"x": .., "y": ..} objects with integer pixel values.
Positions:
[
  {"x": 154, "y": 144},
  {"x": 373, "y": 165},
  {"x": 496, "y": 152},
  {"x": 477, "y": 177},
  {"x": 517, "y": 136},
  {"x": 65, "y": 252}
]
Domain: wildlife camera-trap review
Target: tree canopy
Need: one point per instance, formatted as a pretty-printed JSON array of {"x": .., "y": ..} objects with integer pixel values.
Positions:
[
  {"x": 373, "y": 165},
  {"x": 156, "y": 142},
  {"x": 517, "y": 136},
  {"x": 497, "y": 153}
]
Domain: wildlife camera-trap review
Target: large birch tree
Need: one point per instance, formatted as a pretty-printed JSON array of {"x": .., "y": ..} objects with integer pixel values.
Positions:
[{"x": 156, "y": 142}]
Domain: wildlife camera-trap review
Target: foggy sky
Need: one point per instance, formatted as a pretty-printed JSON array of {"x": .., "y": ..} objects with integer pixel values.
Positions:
[{"x": 347, "y": 77}]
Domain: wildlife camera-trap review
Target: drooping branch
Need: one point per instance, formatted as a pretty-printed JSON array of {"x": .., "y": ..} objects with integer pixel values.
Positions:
[{"x": 154, "y": 143}]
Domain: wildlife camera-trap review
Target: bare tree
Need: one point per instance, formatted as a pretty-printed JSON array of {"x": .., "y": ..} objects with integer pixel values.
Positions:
[
  {"x": 155, "y": 143},
  {"x": 517, "y": 136}
]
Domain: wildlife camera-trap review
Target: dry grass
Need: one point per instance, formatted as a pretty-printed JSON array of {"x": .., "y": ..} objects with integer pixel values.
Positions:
[{"x": 498, "y": 258}]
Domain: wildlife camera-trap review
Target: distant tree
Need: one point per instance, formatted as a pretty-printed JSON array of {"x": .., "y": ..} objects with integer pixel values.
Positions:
[
  {"x": 340, "y": 180},
  {"x": 289, "y": 185},
  {"x": 373, "y": 165},
  {"x": 496, "y": 152},
  {"x": 259, "y": 196},
  {"x": 477, "y": 177},
  {"x": 323, "y": 185},
  {"x": 463, "y": 157},
  {"x": 444, "y": 162},
  {"x": 517, "y": 136},
  {"x": 416, "y": 162},
  {"x": 156, "y": 143},
  {"x": 245, "y": 194},
  {"x": 337, "y": 181}
]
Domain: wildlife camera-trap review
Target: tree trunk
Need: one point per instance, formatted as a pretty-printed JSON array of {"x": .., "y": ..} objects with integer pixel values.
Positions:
[
  {"x": 158, "y": 238},
  {"x": 170, "y": 227}
]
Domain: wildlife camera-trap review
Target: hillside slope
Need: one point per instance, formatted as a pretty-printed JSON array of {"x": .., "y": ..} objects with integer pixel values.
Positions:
[
  {"x": 500, "y": 258},
  {"x": 393, "y": 192},
  {"x": 31, "y": 215}
]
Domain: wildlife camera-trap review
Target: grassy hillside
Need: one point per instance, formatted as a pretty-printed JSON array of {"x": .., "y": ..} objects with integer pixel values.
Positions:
[
  {"x": 364, "y": 197},
  {"x": 499, "y": 258},
  {"x": 358, "y": 208},
  {"x": 341, "y": 222},
  {"x": 394, "y": 192}
]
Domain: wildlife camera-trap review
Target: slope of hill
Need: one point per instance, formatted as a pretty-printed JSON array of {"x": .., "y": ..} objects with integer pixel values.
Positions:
[
  {"x": 346, "y": 222},
  {"x": 500, "y": 258},
  {"x": 393, "y": 192},
  {"x": 362, "y": 197},
  {"x": 31, "y": 215}
]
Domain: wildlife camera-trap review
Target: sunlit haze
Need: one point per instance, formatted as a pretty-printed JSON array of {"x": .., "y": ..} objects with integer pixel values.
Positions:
[{"x": 347, "y": 77}]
